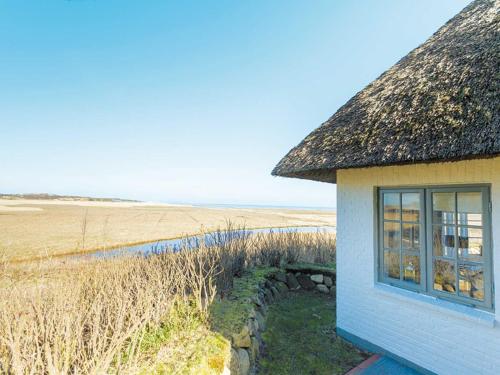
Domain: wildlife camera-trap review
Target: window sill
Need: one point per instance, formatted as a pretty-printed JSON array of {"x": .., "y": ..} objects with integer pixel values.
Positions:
[{"x": 460, "y": 311}]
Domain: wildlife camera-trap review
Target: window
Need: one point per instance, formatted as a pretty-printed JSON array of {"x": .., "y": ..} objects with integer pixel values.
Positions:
[{"x": 437, "y": 241}]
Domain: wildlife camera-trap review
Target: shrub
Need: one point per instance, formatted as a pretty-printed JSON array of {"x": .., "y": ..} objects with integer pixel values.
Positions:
[{"x": 94, "y": 319}]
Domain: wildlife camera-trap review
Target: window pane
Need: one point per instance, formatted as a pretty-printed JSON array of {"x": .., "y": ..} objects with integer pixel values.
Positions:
[
  {"x": 444, "y": 276},
  {"x": 443, "y": 241},
  {"x": 411, "y": 206},
  {"x": 391, "y": 206},
  {"x": 470, "y": 209},
  {"x": 411, "y": 268},
  {"x": 443, "y": 208},
  {"x": 470, "y": 243},
  {"x": 392, "y": 235},
  {"x": 411, "y": 237},
  {"x": 391, "y": 264},
  {"x": 471, "y": 278}
]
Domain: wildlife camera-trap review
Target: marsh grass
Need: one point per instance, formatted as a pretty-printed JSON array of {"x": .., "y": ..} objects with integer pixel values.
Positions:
[
  {"x": 113, "y": 315},
  {"x": 37, "y": 229}
]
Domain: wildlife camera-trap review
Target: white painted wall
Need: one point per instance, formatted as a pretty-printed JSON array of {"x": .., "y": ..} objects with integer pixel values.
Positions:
[{"x": 442, "y": 337}]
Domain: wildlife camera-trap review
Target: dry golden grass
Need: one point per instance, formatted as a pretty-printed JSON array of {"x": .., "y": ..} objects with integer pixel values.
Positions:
[
  {"x": 36, "y": 229},
  {"x": 99, "y": 319}
]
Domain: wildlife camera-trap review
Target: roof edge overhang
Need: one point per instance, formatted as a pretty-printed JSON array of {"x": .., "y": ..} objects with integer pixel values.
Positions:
[
  {"x": 322, "y": 175},
  {"x": 329, "y": 175}
]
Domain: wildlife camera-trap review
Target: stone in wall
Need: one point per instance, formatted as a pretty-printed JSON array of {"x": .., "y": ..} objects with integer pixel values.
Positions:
[
  {"x": 328, "y": 281},
  {"x": 318, "y": 279},
  {"x": 254, "y": 350},
  {"x": 292, "y": 282},
  {"x": 280, "y": 276},
  {"x": 244, "y": 362},
  {"x": 276, "y": 293},
  {"x": 242, "y": 339},
  {"x": 234, "y": 365},
  {"x": 268, "y": 295},
  {"x": 322, "y": 288},
  {"x": 281, "y": 286},
  {"x": 306, "y": 282},
  {"x": 260, "y": 320}
]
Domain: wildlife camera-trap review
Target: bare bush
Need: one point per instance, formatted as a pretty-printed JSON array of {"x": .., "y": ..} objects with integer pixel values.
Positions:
[
  {"x": 278, "y": 248},
  {"x": 92, "y": 319}
]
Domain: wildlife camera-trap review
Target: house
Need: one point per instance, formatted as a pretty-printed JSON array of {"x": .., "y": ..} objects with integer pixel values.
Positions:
[{"x": 416, "y": 159}]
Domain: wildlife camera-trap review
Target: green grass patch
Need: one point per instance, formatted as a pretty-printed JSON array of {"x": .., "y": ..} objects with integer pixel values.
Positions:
[
  {"x": 300, "y": 338},
  {"x": 182, "y": 344},
  {"x": 230, "y": 314},
  {"x": 327, "y": 269},
  {"x": 182, "y": 317},
  {"x": 198, "y": 352}
]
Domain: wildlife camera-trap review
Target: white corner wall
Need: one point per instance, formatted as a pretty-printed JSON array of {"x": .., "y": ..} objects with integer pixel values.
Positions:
[{"x": 420, "y": 329}]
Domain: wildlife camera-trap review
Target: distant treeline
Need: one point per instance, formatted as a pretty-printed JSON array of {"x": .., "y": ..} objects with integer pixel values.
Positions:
[{"x": 61, "y": 197}]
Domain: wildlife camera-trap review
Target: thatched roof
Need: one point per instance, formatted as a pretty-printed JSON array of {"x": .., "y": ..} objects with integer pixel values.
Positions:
[{"x": 438, "y": 103}]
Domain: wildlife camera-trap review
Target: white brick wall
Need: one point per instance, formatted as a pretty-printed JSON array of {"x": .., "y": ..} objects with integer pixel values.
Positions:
[{"x": 420, "y": 329}]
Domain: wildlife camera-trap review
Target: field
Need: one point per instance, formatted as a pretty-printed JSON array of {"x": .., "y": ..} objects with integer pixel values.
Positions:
[
  {"x": 34, "y": 229},
  {"x": 131, "y": 314}
]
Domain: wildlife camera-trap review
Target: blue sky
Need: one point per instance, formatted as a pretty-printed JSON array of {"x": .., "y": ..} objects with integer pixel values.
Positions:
[{"x": 186, "y": 101}]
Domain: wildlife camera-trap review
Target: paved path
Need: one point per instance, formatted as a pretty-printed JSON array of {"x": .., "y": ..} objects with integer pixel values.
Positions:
[{"x": 377, "y": 365}]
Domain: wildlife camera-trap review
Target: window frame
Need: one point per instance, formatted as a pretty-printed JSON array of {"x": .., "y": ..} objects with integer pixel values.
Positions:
[
  {"x": 381, "y": 221},
  {"x": 426, "y": 244}
]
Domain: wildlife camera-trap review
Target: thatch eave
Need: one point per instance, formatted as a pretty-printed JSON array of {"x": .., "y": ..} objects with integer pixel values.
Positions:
[{"x": 329, "y": 175}]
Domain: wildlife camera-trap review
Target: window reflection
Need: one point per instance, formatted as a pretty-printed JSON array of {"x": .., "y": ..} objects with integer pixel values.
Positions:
[
  {"x": 444, "y": 276},
  {"x": 391, "y": 264},
  {"x": 392, "y": 235},
  {"x": 411, "y": 236},
  {"x": 411, "y": 207},
  {"x": 469, "y": 207},
  {"x": 471, "y": 281},
  {"x": 443, "y": 206},
  {"x": 470, "y": 243},
  {"x": 411, "y": 268},
  {"x": 443, "y": 240},
  {"x": 391, "y": 206}
]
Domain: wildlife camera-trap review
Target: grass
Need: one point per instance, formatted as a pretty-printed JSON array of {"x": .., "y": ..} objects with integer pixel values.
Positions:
[
  {"x": 199, "y": 352},
  {"x": 300, "y": 338},
  {"x": 132, "y": 315},
  {"x": 311, "y": 267},
  {"x": 33, "y": 229},
  {"x": 187, "y": 346},
  {"x": 230, "y": 314}
]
